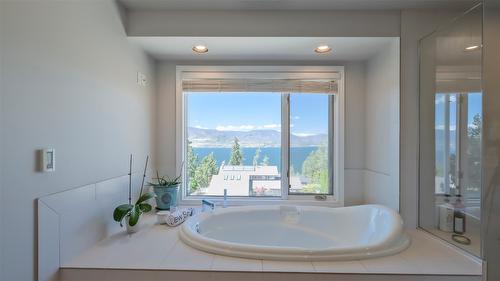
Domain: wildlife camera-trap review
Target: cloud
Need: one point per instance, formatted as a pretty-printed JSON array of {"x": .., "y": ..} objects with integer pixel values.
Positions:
[
  {"x": 441, "y": 127},
  {"x": 272, "y": 126},
  {"x": 200, "y": 127},
  {"x": 246, "y": 128},
  {"x": 295, "y": 117},
  {"x": 303, "y": 134},
  {"x": 235, "y": 128}
]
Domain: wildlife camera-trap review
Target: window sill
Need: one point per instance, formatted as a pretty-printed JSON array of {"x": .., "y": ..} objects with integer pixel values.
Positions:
[{"x": 308, "y": 200}]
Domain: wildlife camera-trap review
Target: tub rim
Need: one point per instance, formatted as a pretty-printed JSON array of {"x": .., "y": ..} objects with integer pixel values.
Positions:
[{"x": 396, "y": 241}]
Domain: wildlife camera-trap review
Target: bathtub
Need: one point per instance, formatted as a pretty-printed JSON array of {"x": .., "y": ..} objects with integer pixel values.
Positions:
[{"x": 297, "y": 233}]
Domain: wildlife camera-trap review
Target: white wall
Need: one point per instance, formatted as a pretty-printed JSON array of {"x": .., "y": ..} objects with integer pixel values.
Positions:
[
  {"x": 354, "y": 128},
  {"x": 264, "y": 23},
  {"x": 354, "y": 142},
  {"x": 382, "y": 128},
  {"x": 68, "y": 82},
  {"x": 415, "y": 24}
]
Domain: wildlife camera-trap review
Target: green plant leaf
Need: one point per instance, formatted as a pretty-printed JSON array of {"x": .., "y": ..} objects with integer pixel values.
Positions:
[
  {"x": 135, "y": 214},
  {"x": 121, "y": 211},
  {"x": 145, "y": 197},
  {"x": 145, "y": 207}
]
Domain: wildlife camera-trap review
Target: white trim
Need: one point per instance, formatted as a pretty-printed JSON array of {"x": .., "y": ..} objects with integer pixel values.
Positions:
[
  {"x": 274, "y": 72},
  {"x": 285, "y": 142}
]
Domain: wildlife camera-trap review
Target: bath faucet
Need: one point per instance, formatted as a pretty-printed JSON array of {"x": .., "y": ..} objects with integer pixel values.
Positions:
[
  {"x": 224, "y": 203},
  {"x": 207, "y": 205}
]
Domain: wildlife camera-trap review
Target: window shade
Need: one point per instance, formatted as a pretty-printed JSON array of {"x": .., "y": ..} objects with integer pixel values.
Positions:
[{"x": 260, "y": 85}]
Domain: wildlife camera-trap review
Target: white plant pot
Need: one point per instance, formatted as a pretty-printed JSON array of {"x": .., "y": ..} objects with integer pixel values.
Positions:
[{"x": 132, "y": 229}]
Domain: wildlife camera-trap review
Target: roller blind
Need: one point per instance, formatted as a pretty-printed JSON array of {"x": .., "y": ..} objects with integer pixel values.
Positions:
[{"x": 260, "y": 85}]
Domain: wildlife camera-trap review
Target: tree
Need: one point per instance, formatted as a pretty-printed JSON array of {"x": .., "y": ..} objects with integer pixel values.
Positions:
[
  {"x": 475, "y": 129},
  {"x": 236, "y": 154},
  {"x": 265, "y": 161},
  {"x": 192, "y": 166},
  {"x": 473, "y": 161},
  {"x": 192, "y": 160},
  {"x": 256, "y": 157},
  {"x": 206, "y": 169},
  {"x": 211, "y": 164},
  {"x": 315, "y": 168}
]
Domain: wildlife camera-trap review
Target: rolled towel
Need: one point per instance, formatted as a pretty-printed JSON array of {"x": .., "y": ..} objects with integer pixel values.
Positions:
[{"x": 176, "y": 217}]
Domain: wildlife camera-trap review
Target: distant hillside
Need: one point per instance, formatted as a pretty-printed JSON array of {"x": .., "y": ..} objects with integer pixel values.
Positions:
[{"x": 255, "y": 138}]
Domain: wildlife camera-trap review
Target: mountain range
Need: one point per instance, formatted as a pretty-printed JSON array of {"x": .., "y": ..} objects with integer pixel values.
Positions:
[{"x": 256, "y": 138}]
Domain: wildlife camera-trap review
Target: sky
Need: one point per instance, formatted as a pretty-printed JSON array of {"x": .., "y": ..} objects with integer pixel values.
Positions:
[
  {"x": 474, "y": 107},
  {"x": 253, "y": 111}
]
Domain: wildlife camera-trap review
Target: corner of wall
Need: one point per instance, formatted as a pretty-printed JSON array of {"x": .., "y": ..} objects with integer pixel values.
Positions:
[
  {"x": 382, "y": 128},
  {"x": 123, "y": 14}
]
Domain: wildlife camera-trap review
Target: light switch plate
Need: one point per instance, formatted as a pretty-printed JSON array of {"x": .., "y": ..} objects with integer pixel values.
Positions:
[{"x": 48, "y": 160}]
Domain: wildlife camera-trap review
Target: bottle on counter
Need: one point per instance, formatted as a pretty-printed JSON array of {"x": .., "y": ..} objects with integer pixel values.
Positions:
[
  {"x": 459, "y": 217},
  {"x": 446, "y": 215}
]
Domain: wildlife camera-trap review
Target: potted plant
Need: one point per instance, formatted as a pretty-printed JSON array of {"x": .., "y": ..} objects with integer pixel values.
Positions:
[
  {"x": 166, "y": 190},
  {"x": 131, "y": 213}
]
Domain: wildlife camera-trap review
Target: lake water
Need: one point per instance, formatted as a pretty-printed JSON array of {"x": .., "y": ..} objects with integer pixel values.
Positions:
[{"x": 298, "y": 155}]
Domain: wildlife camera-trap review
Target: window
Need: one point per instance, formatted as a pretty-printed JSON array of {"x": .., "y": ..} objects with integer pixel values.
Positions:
[
  {"x": 458, "y": 144},
  {"x": 311, "y": 152},
  {"x": 233, "y": 143},
  {"x": 260, "y": 133}
]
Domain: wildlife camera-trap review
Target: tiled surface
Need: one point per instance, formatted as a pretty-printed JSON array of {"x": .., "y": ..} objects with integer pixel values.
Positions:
[
  {"x": 49, "y": 234},
  {"x": 162, "y": 275},
  {"x": 339, "y": 266},
  {"x": 224, "y": 263},
  {"x": 64, "y": 237},
  {"x": 287, "y": 266},
  {"x": 157, "y": 247}
]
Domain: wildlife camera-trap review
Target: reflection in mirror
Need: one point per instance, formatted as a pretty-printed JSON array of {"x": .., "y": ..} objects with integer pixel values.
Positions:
[{"x": 450, "y": 132}]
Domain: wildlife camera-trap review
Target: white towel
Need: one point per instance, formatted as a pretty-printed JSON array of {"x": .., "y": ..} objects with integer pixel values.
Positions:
[{"x": 176, "y": 217}]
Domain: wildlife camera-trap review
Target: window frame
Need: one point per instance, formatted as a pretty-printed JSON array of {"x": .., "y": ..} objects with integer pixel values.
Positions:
[
  {"x": 277, "y": 72},
  {"x": 461, "y": 128}
]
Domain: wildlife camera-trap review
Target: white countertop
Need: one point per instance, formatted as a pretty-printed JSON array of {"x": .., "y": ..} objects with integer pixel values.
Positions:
[{"x": 157, "y": 247}]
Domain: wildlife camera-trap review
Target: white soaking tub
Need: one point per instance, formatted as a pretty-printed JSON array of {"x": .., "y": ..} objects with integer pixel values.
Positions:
[{"x": 297, "y": 233}]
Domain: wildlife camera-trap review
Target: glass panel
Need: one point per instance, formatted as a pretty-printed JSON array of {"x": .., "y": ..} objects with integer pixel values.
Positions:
[
  {"x": 450, "y": 132},
  {"x": 441, "y": 162},
  {"x": 310, "y": 151},
  {"x": 233, "y": 143}
]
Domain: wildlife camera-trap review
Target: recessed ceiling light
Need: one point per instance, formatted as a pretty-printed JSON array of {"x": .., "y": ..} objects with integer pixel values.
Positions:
[
  {"x": 323, "y": 49},
  {"x": 200, "y": 49},
  {"x": 472, "y": 48}
]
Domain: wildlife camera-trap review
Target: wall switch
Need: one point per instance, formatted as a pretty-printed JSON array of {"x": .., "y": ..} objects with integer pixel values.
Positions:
[
  {"x": 48, "y": 158},
  {"x": 141, "y": 79}
]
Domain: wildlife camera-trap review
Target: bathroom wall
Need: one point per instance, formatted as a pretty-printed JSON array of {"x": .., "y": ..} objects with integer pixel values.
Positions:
[
  {"x": 410, "y": 25},
  {"x": 381, "y": 105},
  {"x": 354, "y": 127},
  {"x": 69, "y": 83},
  {"x": 415, "y": 24},
  {"x": 249, "y": 23}
]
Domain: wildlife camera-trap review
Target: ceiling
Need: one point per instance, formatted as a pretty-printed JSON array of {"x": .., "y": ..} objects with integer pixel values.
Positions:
[
  {"x": 292, "y": 4},
  {"x": 263, "y": 48}
]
